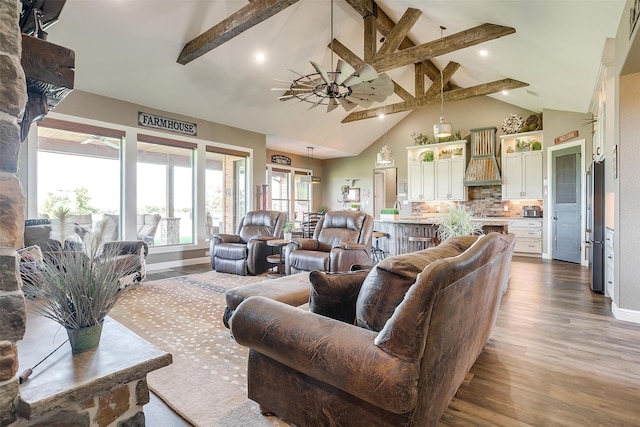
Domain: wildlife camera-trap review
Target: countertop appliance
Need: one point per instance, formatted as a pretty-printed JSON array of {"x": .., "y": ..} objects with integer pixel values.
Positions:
[
  {"x": 595, "y": 224},
  {"x": 531, "y": 211}
]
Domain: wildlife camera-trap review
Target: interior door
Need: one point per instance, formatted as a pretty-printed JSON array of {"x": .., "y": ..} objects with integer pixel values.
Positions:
[{"x": 566, "y": 205}]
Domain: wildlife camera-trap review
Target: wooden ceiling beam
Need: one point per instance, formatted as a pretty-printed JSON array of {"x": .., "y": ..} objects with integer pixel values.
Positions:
[
  {"x": 399, "y": 32},
  {"x": 447, "y": 73},
  {"x": 384, "y": 24},
  {"x": 370, "y": 38},
  {"x": 452, "y": 95},
  {"x": 461, "y": 40},
  {"x": 250, "y": 15}
]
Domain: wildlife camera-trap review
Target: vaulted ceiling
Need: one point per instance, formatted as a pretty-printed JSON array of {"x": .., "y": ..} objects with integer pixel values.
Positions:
[{"x": 546, "y": 52}]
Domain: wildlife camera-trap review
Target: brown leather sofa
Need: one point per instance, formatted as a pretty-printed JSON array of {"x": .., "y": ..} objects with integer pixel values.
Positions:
[
  {"x": 402, "y": 337},
  {"x": 340, "y": 240},
  {"x": 246, "y": 251}
]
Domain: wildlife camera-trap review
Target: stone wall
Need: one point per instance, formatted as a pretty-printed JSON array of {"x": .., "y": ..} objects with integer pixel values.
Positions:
[{"x": 13, "y": 95}]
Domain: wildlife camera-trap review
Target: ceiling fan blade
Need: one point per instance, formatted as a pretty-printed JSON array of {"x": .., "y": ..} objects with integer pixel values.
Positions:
[
  {"x": 346, "y": 104},
  {"x": 364, "y": 74},
  {"x": 322, "y": 72},
  {"x": 333, "y": 104},
  {"x": 363, "y": 102},
  {"x": 344, "y": 71}
]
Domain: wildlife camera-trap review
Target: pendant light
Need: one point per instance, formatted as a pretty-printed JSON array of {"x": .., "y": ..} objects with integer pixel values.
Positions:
[
  {"x": 309, "y": 177},
  {"x": 384, "y": 158},
  {"x": 443, "y": 128}
]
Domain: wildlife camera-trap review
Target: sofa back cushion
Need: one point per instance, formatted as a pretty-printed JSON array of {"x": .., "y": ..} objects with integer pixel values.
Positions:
[
  {"x": 338, "y": 227},
  {"x": 387, "y": 283},
  {"x": 261, "y": 223}
]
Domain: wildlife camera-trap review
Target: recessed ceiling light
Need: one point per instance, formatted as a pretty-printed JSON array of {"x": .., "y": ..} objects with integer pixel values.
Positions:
[
  {"x": 260, "y": 57},
  {"x": 484, "y": 53},
  {"x": 505, "y": 92},
  {"x": 381, "y": 116}
]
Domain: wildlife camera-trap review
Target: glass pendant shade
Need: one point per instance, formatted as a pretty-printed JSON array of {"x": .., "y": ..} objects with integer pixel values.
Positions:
[
  {"x": 384, "y": 158},
  {"x": 442, "y": 129}
]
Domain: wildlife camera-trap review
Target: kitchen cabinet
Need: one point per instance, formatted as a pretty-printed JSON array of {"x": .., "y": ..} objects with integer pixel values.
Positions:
[
  {"x": 522, "y": 170},
  {"x": 528, "y": 234},
  {"x": 608, "y": 252},
  {"x": 421, "y": 181},
  {"x": 442, "y": 177},
  {"x": 449, "y": 175}
]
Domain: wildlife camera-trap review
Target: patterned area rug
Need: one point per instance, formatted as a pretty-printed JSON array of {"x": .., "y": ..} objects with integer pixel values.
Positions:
[{"x": 207, "y": 381}]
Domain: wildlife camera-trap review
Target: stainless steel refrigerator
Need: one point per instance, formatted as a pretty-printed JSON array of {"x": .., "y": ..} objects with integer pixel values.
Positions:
[{"x": 595, "y": 224}]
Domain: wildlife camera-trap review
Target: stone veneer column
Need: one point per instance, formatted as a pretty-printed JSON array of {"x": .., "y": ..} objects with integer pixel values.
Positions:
[{"x": 13, "y": 95}]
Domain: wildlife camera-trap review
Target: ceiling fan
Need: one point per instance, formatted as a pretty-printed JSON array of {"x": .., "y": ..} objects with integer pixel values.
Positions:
[
  {"x": 101, "y": 139},
  {"x": 346, "y": 86}
]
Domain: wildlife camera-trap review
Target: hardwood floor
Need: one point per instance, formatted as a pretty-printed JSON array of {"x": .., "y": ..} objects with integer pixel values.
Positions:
[{"x": 557, "y": 357}]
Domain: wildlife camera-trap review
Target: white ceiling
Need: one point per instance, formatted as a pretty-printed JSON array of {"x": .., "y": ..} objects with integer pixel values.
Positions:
[{"x": 127, "y": 49}]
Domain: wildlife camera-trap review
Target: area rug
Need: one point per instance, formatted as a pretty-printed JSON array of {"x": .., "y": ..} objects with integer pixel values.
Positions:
[{"x": 207, "y": 382}]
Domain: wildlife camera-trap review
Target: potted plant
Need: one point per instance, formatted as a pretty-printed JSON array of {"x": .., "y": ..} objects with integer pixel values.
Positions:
[
  {"x": 389, "y": 214},
  {"x": 287, "y": 229},
  {"x": 427, "y": 156},
  {"x": 422, "y": 139},
  {"x": 536, "y": 146},
  {"x": 458, "y": 222},
  {"x": 78, "y": 284},
  {"x": 323, "y": 209},
  {"x": 522, "y": 144}
]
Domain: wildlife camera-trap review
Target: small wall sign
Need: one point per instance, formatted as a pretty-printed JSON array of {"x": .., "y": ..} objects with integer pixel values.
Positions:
[
  {"x": 164, "y": 123},
  {"x": 280, "y": 159},
  {"x": 566, "y": 137}
]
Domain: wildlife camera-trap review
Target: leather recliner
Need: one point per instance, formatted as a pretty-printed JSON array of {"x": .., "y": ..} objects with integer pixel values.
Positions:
[
  {"x": 340, "y": 240},
  {"x": 246, "y": 251}
]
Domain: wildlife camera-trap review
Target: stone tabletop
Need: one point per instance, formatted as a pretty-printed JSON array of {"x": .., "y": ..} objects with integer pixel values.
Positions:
[{"x": 121, "y": 357}]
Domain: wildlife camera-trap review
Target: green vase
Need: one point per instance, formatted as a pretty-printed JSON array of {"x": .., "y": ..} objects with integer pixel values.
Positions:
[{"x": 84, "y": 339}]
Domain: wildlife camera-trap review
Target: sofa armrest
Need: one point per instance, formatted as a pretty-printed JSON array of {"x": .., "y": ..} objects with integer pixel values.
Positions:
[
  {"x": 342, "y": 259},
  {"x": 226, "y": 238},
  {"x": 328, "y": 350},
  {"x": 305, "y": 244},
  {"x": 352, "y": 246},
  {"x": 126, "y": 247}
]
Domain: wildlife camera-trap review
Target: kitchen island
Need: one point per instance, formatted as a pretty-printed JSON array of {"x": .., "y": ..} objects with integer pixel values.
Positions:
[{"x": 399, "y": 230}]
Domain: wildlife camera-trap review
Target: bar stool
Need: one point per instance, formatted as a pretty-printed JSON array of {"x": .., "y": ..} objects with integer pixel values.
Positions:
[
  {"x": 377, "y": 254},
  {"x": 418, "y": 243}
]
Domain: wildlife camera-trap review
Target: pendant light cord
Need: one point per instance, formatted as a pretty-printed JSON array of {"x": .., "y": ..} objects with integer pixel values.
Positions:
[
  {"x": 332, "y": 35},
  {"x": 441, "y": 78}
]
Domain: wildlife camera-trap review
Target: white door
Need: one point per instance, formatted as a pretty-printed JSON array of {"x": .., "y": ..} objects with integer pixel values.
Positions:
[{"x": 566, "y": 205}]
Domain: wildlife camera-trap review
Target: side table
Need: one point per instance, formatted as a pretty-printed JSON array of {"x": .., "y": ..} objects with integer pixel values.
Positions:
[{"x": 277, "y": 259}]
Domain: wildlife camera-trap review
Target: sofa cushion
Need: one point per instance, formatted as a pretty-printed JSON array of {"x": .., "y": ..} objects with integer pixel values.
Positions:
[
  {"x": 386, "y": 285},
  {"x": 334, "y": 294}
]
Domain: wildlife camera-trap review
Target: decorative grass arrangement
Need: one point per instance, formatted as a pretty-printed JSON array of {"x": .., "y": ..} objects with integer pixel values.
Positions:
[
  {"x": 77, "y": 287},
  {"x": 458, "y": 222}
]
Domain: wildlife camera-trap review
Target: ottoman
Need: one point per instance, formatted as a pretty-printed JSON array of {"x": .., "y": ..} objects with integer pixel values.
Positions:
[{"x": 292, "y": 290}]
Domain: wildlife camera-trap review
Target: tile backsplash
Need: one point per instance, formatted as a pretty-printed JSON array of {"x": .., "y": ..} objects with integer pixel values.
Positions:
[{"x": 482, "y": 200}]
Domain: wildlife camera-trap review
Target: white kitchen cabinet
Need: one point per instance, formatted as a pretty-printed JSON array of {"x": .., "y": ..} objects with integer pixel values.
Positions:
[
  {"x": 441, "y": 179},
  {"x": 449, "y": 174},
  {"x": 522, "y": 170},
  {"x": 608, "y": 265},
  {"x": 528, "y": 234},
  {"x": 421, "y": 181}
]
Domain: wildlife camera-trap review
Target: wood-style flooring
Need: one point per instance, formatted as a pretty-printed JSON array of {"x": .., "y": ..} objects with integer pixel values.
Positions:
[{"x": 557, "y": 357}]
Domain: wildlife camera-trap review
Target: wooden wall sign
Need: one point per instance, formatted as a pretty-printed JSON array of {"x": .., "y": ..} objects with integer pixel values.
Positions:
[
  {"x": 280, "y": 159},
  {"x": 164, "y": 123},
  {"x": 566, "y": 137}
]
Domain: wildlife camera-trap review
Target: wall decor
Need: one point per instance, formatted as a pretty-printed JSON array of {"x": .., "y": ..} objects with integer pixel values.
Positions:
[
  {"x": 164, "y": 123},
  {"x": 280, "y": 159}
]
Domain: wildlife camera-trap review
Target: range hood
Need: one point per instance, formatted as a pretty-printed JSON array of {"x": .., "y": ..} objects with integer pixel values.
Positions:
[{"x": 483, "y": 165}]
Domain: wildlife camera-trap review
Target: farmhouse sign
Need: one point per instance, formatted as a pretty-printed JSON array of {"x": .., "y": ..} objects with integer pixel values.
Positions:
[
  {"x": 280, "y": 159},
  {"x": 164, "y": 123},
  {"x": 566, "y": 137}
]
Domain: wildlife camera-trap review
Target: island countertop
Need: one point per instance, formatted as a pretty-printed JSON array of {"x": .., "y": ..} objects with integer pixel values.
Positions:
[{"x": 431, "y": 220}]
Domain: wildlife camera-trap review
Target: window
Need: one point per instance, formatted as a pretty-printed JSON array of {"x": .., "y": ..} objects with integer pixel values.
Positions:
[
  {"x": 288, "y": 193},
  {"x": 225, "y": 189},
  {"x": 78, "y": 168},
  {"x": 165, "y": 187}
]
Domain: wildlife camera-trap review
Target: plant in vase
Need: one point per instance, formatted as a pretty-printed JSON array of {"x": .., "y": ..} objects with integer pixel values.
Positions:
[
  {"x": 458, "y": 222},
  {"x": 78, "y": 283},
  {"x": 287, "y": 230}
]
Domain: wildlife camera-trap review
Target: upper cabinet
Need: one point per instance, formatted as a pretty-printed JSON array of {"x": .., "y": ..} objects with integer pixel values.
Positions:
[
  {"x": 436, "y": 171},
  {"x": 522, "y": 166}
]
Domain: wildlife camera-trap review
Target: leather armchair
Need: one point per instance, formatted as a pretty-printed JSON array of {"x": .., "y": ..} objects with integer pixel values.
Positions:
[
  {"x": 341, "y": 239},
  {"x": 388, "y": 347},
  {"x": 246, "y": 251}
]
